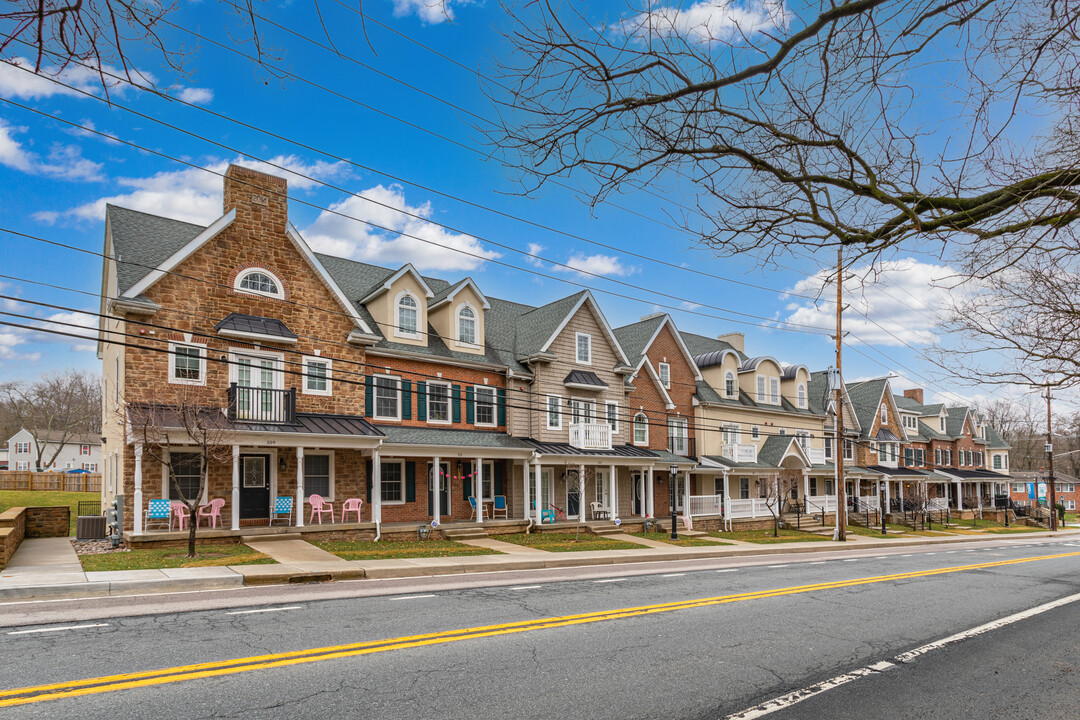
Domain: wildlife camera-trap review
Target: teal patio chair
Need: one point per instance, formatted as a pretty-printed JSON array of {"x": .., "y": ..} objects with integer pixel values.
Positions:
[
  {"x": 283, "y": 509},
  {"x": 159, "y": 512}
]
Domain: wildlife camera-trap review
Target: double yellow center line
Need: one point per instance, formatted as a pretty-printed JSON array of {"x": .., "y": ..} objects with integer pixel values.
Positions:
[{"x": 112, "y": 683}]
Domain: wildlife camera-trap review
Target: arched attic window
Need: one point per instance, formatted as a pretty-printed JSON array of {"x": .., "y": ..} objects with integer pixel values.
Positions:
[
  {"x": 260, "y": 282},
  {"x": 884, "y": 413},
  {"x": 802, "y": 395},
  {"x": 407, "y": 315},
  {"x": 641, "y": 429},
  {"x": 466, "y": 325},
  {"x": 729, "y": 384}
]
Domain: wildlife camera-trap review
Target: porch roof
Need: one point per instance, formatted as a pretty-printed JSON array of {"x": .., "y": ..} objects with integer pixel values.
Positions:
[
  {"x": 724, "y": 462},
  {"x": 968, "y": 475},
  {"x": 898, "y": 472},
  {"x": 665, "y": 457},
  {"x": 242, "y": 325},
  {"x": 396, "y": 435},
  {"x": 617, "y": 451},
  {"x": 306, "y": 423}
]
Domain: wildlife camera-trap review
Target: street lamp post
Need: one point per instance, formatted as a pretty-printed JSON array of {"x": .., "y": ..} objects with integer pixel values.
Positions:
[{"x": 674, "y": 476}]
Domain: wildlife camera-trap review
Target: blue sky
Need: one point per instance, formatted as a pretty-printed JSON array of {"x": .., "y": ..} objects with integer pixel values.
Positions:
[{"x": 56, "y": 180}]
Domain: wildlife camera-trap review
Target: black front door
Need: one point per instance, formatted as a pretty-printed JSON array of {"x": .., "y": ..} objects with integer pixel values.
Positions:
[
  {"x": 254, "y": 486},
  {"x": 637, "y": 501},
  {"x": 444, "y": 491}
]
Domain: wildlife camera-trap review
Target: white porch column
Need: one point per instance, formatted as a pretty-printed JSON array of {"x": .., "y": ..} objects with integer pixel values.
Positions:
[
  {"x": 138, "y": 489},
  {"x": 235, "y": 487},
  {"x": 959, "y": 496},
  {"x": 478, "y": 489},
  {"x": 686, "y": 493},
  {"x": 581, "y": 491},
  {"x": 299, "y": 487},
  {"x": 805, "y": 486},
  {"x": 435, "y": 484},
  {"x": 978, "y": 490},
  {"x": 539, "y": 500},
  {"x": 613, "y": 493},
  {"x": 525, "y": 487},
  {"x": 888, "y": 496},
  {"x": 650, "y": 491},
  {"x": 376, "y": 487}
]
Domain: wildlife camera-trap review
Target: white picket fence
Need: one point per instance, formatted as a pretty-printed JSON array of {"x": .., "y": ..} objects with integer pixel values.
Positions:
[{"x": 820, "y": 503}]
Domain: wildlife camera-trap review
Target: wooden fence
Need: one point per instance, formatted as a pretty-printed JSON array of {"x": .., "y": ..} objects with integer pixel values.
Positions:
[{"x": 54, "y": 481}]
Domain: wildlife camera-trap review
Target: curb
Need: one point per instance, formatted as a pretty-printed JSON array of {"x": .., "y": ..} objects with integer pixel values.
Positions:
[{"x": 116, "y": 588}]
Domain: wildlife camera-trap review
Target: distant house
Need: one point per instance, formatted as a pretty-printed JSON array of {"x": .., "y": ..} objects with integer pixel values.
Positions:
[
  {"x": 80, "y": 452},
  {"x": 3, "y": 458}
]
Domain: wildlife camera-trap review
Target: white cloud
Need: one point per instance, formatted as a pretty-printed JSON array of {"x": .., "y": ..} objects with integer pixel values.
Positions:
[
  {"x": 85, "y": 132},
  {"x": 535, "y": 249},
  {"x": 197, "y": 96},
  {"x": 590, "y": 265},
  {"x": 443, "y": 250},
  {"x": 430, "y": 12},
  {"x": 889, "y": 304},
  {"x": 64, "y": 161},
  {"x": 690, "y": 305},
  {"x": 86, "y": 326},
  {"x": 27, "y": 85},
  {"x": 195, "y": 195},
  {"x": 705, "y": 21}
]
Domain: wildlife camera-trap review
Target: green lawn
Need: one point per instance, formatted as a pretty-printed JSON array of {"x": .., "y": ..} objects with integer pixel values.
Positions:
[
  {"x": 566, "y": 542},
  {"x": 765, "y": 537},
  {"x": 175, "y": 557},
  {"x": 681, "y": 542},
  {"x": 36, "y": 498},
  {"x": 369, "y": 550}
]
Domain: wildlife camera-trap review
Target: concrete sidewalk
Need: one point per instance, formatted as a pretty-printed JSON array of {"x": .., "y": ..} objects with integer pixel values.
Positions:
[{"x": 46, "y": 571}]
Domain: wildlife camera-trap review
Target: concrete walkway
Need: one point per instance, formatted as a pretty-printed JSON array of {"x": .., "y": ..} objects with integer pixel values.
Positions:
[
  {"x": 298, "y": 554},
  {"x": 503, "y": 546},
  {"x": 45, "y": 561}
]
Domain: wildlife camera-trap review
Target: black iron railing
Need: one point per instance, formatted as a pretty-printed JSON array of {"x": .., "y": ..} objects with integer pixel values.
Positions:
[
  {"x": 685, "y": 446},
  {"x": 262, "y": 405}
]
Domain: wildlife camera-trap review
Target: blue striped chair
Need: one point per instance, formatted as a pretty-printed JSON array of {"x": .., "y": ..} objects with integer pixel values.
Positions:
[
  {"x": 283, "y": 507},
  {"x": 159, "y": 512}
]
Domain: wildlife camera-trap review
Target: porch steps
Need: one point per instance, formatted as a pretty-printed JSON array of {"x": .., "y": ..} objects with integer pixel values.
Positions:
[
  {"x": 807, "y": 522},
  {"x": 471, "y": 533}
]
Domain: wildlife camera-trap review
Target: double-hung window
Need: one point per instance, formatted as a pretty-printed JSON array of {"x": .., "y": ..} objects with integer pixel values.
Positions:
[
  {"x": 554, "y": 412},
  {"x": 387, "y": 397},
  {"x": 744, "y": 488},
  {"x": 316, "y": 376},
  {"x": 612, "y": 415},
  {"x": 407, "y": 316},
  {"x": 884, "y": 414},
  {"x": 467, "y": 325},
  {"x": 393, "y": 482},
  {"x": 438, "y": 402},
  {"x": 318, "y": 474},
  {"x": 677, "y": 438},
  {"x": 641, "y": 429},
  {"x": 729, "y": 434},
  {"x": 584, "y": 348},
  {"x": 828, "y": 447},
  {"x": 804, "y": 439},
  {"x": 184, "y": 476},
  {"x": 997, "y": 462},
  {"x": 729, "y": 384},
  {"x": 581, "y": 411},
  {"x": 187, "y": 364},
  {"x": 664, "y": 371},
  {"x": 760, "y": 388},
  {"x": 802, "y": 395},
  {"x": 22, "y": 447},
  {"x": 485, "y": 405},
  {"x": 22, "y": 465},
  {"x": 774, "y": 391},
  {"x": 849, "y": 450}
]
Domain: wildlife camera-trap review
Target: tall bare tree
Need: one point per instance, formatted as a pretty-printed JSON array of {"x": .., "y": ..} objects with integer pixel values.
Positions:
[
  {"x": 189, "y": 427},
  {"x": 56, "y": 408}
]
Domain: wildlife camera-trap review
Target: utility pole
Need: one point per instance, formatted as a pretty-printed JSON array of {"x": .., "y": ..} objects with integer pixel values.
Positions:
[
  {"x": 841, "y": 490},
  {"x": 1051, "y": 491}
]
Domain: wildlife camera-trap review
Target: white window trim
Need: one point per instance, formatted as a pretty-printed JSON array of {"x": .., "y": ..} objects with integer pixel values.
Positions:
[
  {"x": 801, "y": 395},
  {"x": 679, "y": 423},
  {"x": 558, "y": 412},
  {"x": 173, "y": 380},
  {"x": 329, "y": 376},
  {"x": 19, "y": 449},
  {"x": 166, "y": 474},
  {"x": 279, "y": 295},
  {"x": 309, "y": 453},
  {"x": 398, "y": 332},
  {"x": 732, "y": 430},
  {"x": 401, "y": 464},
  {"x": 608, "y": 404},
  {"x": 494, "y": 406},
  {"x": 476, "y": 326},
  {"x": 449, "y": 402},
  {"x": 375, "y": 397},
  {"x": 761, "y": 387},
  {"x": 637, "y": 417},
  {"x": 577, "y": 351},
  {"x": 22, "y": 465},
  {"x": 734, "y": 385},
  {"x": 279, "y": 359},
  {"x": 660, "y": 373},
  {"x": 774, "y": 397},
  {"x": 884, "y": 414}
]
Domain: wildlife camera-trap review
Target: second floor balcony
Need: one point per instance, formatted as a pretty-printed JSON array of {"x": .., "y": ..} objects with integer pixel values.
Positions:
[
  {"x": 739, "y": 452},
  {"x": 262, "y": 405},
  {"x": 590, "y": 436}
]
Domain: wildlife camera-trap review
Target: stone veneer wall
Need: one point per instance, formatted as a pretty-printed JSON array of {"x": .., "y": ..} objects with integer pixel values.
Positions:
[
  {"x": 42, "y": 522},
  {"x": 12, "y": 529}
]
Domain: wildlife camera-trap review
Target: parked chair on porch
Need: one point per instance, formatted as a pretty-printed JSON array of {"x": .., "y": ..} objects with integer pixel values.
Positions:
[
  {"x": 499, "y": 507},
  {"x": 472, "y": 504},
  {"x": 159, "y": 512},
  {"x": 560, "y": 514},
  {"x": 180, "y": 513},
  {"x": 351, "y": 505},
  {"x": 547, "y": 515},
  {"x": 282, "y": 510},
  {"x": 320, "y": 507},
  {"x": 210, "y": 511},
  {"x": 598, "y": 511}
]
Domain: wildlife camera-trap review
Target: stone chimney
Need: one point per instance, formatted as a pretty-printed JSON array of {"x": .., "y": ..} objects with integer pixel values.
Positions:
[
  {"x": 915, "y": 394},
  {"x": 736, "y": 340},
  {"x": 260, "y": 201}
]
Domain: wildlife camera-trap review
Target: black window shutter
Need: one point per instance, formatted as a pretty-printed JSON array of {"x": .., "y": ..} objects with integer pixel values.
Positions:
[
  {"x": 466, "y": 481},
  {"x": 469, "y": 406},
  {"x": 410, "y": 482},
  {"x": 498, "y": 465},
  {"x": 369, "y": 481},
  {"x": 369, "y": 396},
  {"x": 456, "y": 402},
  {"x": 406, "y": 399},
  {"x": 502, "y": 405},
  {"x": 421, "y": 400}
]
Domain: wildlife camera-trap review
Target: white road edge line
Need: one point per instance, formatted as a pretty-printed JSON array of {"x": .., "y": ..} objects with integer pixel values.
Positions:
[
  {"x": 728, "y": 570},
  {"x": 412, "y": 597},
  {"x": 526, "y": 587},
  {"x": 57, "y": 629},
  {"x": 609, "y": 580},
  {"x": 674, "y": 575},
  {"x": 265, "y": 610},
  {"x": 777, "y": 566},
  {"x": 785, "y": 701}
]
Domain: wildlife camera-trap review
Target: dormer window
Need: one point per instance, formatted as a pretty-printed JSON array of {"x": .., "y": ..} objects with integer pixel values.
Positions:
[
  {"x": 466, "y": 325},
  {"x": 802, "y": 395},
  {"x": 884, "y": 414},
  {"x": 260, "y": 282},
  {"x": 774, "y": 391},
  {"x": 941, "y": 423},
  {"x": 729, "y": 384},
  {"x": 407, "y": 316}
]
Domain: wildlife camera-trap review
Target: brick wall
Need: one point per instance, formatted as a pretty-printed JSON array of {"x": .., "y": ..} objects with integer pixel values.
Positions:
[
  {"x": 44, "y": 522},
  {"x": 12, "y": 530}
]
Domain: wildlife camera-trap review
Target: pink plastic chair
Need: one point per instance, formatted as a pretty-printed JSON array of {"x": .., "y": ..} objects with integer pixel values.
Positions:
[
  {"x": 180, "y": 513},
  {"x": 321, "y": 507},
  {"x": 351, "y": 505},
  {"x": 211, "y": 512}
]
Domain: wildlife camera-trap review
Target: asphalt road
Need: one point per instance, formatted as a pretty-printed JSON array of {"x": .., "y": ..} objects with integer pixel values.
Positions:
[{"x": 738, "y": 634}]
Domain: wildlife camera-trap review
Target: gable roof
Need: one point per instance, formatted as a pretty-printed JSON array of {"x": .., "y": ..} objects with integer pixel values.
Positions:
[
  {"x": 866, "y": 400},
  {"x": 818, "y": 403},
  {"x": 393, "y": 277},
  {"x": 637, "y": 338},
  {"x": 586, "y": 297},
  {"x": 448, "y": 294},
  {"x": 954, "y": 423},
  {"x": 994, "y": 440},
  {"x": 776, "y": 447},
  {"x": 700, "y": 345}
]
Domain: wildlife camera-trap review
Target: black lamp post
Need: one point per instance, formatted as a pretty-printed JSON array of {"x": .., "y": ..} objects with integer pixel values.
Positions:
[{"x": 674, "y": 476}]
